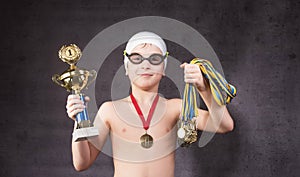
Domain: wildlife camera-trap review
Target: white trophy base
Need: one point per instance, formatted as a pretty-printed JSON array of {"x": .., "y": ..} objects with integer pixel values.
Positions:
[{"x": 83, "y": 133}]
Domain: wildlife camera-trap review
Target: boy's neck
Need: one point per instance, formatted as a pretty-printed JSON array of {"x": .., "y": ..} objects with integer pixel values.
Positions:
[{"x": 144, "y": 96}]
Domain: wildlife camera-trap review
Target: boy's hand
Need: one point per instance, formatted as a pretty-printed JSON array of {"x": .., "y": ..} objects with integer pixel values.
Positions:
[
  {"x": 193, "y": 75},
  {"x": 75, "y": 105}
]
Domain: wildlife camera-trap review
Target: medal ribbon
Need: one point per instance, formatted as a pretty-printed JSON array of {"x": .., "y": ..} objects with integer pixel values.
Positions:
[
  {"x": 189, "y": 103},
  {"x": 146, "y": 123},
  {"x": 222, "y": 91}
]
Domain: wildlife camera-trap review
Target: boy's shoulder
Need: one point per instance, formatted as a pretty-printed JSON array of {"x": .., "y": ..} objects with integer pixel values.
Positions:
[
  {"x": 112, "y": 105},
  {"x": 174, "y": 101}
]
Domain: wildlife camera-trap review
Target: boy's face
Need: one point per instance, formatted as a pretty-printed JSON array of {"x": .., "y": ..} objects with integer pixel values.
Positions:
[{"x": 145, "y": 75}]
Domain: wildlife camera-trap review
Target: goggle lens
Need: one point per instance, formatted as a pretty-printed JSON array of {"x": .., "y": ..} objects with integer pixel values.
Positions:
[{"x": 154, "y": 59}]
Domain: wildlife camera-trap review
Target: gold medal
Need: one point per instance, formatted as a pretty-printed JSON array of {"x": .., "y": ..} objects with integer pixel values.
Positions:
[{"x": 146, "y": 141}]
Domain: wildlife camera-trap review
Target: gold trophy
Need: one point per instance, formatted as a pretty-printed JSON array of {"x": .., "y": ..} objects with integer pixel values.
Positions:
[{"x": 74, "y": 80}]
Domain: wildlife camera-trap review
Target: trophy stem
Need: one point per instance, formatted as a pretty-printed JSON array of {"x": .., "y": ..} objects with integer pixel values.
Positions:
[
  {"x": 72, "y": 66},
  {"x": 82, "y": 118}
]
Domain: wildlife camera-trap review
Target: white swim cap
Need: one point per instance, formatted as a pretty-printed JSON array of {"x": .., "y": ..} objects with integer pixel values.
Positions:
[{"x": 142, "y": 38}]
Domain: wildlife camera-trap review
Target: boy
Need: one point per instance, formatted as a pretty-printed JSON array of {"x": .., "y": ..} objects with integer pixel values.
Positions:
[{"x": 143, "y": 125}]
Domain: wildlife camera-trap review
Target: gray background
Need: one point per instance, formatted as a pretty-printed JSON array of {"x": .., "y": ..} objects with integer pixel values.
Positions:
[{"x": 257, "y": 43}]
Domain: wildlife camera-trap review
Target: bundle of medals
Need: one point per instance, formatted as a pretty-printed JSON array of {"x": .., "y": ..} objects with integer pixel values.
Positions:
[
  {"x": 187, "y": 132},
  {"x": 222, "y": 92}
]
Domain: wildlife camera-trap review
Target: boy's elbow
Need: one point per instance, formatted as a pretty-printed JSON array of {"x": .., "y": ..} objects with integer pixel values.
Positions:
[
  {"x": 80, "y": 167},
  {"x": 228, "y": 128},
  {"x": 229, "y": 125}
]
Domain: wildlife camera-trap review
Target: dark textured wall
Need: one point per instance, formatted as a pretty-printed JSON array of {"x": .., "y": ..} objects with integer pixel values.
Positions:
[{"x": 258, "y": 46}]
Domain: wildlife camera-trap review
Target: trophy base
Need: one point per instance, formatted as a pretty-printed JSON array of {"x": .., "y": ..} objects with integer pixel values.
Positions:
[{"x": 84, "y": 133}]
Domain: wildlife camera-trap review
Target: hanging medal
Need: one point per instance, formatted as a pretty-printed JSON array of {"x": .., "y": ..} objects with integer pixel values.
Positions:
[{"x": 146, "y": 140}]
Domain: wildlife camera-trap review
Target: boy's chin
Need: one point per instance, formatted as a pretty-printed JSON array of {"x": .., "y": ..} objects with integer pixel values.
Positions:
[{"x": 147, "y": 86}]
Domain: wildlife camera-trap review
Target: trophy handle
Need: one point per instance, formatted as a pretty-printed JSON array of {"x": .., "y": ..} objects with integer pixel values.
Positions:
[
  {"x": 92, "y": 76},
  {"x": 55, "y": 78}
]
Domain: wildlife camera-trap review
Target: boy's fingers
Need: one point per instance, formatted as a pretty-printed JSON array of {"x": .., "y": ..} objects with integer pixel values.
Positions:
[
  {"x": 87, "y": 99},
  {"x": 75, "y": 110},
  {"x": 76, "y": 97},
  {"x": 75, "y": 105},
  {"x": 73, "y": 96},
  {"x": 183, "y": 65},
  {"x": 74, "y": 102}
]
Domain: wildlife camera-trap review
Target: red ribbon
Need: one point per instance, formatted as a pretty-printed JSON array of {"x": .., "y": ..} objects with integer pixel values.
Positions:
[{"x": 146, "y": 124}]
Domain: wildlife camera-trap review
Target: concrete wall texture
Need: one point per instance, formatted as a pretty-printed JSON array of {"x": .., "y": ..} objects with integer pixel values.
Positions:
[{"x": 257, "y": 43}]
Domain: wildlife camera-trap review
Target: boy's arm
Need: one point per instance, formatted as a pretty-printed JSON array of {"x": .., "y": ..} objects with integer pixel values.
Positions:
[
  {"x": 84, "y": 153},
  {"x": 217, "y": 118}
]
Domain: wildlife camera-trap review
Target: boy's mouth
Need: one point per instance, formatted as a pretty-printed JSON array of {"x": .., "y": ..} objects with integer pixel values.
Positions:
[{"x": 146, "y": 74}]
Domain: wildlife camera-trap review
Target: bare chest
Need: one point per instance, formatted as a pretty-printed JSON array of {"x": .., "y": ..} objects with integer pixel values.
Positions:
[
  {"x": 126, "y": 123},
  {"x": 126, "y": 129}
]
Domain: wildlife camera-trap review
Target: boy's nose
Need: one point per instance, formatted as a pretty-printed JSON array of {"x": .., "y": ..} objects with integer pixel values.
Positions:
[{"x": 146, "y": 64}]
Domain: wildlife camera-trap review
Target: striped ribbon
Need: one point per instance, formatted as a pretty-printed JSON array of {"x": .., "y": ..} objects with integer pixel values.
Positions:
[
  {"x": 187, "y": 130},
  {"x": 222, "y": 91},
  {"x": 189, "y": 103}
]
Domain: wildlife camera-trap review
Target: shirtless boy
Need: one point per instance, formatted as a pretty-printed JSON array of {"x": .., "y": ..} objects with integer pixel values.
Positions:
[{"x": 121, "y": 120}]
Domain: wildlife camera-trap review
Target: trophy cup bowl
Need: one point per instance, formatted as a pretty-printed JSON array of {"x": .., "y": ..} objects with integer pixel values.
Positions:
[{"x": 74, "y": 80}]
